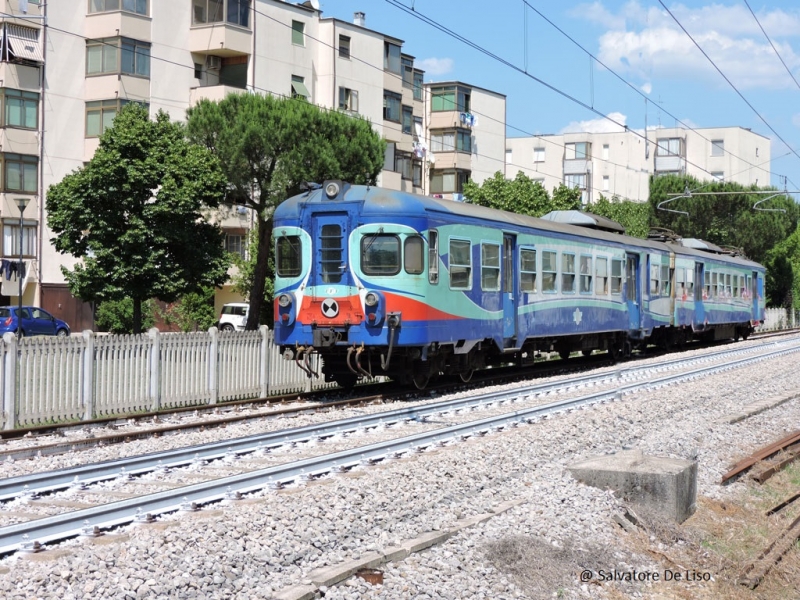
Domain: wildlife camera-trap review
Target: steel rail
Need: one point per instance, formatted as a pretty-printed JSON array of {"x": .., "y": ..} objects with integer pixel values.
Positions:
[
  {"x": 30, "y": 535},
  {"x": 49, "y": 481}
]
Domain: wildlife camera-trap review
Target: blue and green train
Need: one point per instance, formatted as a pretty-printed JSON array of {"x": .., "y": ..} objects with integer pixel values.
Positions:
[{"x": 382, "y": 282}]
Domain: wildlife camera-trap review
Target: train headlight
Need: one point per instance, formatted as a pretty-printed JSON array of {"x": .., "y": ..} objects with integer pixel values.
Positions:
[
  {"x": 371, "y": 299},
  {"x": 284, "y": 300},
  {"x": 331, "y": 189}
]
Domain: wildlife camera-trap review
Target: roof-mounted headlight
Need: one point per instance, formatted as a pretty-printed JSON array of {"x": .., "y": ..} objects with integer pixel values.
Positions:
[{"x": 332, "y": 189}]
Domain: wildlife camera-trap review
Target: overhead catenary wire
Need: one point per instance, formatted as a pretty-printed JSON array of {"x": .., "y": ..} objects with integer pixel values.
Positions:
[{"x": 778, "y": 54}]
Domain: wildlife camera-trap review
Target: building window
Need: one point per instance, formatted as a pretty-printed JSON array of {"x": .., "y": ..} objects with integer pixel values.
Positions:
[
  {"x": 235, "y": 12},
  {"x": 299, "y": 89},
  {"x": 575, "y": 181},
  {"x": 391, "y": 58},
  {"x": 100, "y": 115},
  {"x": 418, "y": 89},
  {"x": 348, "y": 99},
  {"x": 538, "y": 155},
  {"x": 21, "y": 109},
  {"x": 198, "y": 71},
  {"x": 118, "y": 55},
  {"x": 450, "y": 97},
  {"x": 606, "y": 183},
  {"x": 448, "y": 182},
  {"x": 459, "y": 140},
  {"x": 717, "y": 147},
  {"x": 298, "y": 33},
  {"x": 605, "y": 151},
  {"x": 509, "y": 155},
  {"x": 236, "y": 244},
  {"x": 416, "y": 173},
  {"x": 135, "y": 6},
  {"x": 344, "y": 46},
  {"x": 577, "y": 150},
  {"x": 392, "y": 106},
  {"x": 11, "y": 238},
  {"x": 407, "y": 65},
  {"x": 668, "y": 147},
  {"x": 20, "y": 173},
  {"x": 403, "y": 164},
  {"x": 718, "y": 175},
  {"x": 408, "y": 120}
]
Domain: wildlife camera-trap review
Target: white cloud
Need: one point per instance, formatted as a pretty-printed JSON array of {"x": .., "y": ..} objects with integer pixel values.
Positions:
[
  {"x": 647, "y": 88},
  {"x": 599, "y": 125},
  {"x": 646, "y": 42},
  {"x": 435, "y": 66}
]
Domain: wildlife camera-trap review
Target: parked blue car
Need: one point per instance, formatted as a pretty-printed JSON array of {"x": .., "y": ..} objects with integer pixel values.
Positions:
[{"x": 32, "y": 320}]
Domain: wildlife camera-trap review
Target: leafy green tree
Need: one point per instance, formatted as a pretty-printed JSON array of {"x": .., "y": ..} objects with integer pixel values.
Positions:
[
  {"x": 193, "y": 311},
  {"x": 521, "y": 195},
  {"x": 725, "y": 219},
  {"x": 269, "y": 146},
  {"x": 633, "y": 216},
  {"x": 133, "y": 215},
  {"x": 245, "y": 272},
  {"x": 782, "y": 283},
  {"x": 116, "y": 316}
]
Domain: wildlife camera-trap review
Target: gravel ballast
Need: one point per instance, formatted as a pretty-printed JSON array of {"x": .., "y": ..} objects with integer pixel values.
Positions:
[{"x": 259, "y": 547}]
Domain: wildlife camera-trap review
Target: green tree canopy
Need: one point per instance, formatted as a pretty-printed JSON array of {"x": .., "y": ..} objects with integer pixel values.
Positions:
[
  {"x": 782, "y": 284},
  {"x": 133, "y": 215},
  {"x": 726, "y": 219},
  {"x": 633, "y": 216},
  {"x": 269, "y": 146},
  {"x": 521, "y": 195}
]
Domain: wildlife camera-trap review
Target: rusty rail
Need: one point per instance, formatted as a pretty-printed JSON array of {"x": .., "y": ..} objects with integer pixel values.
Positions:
[
  {"x": 762, "y": 454},
  {"x": 754, "y": 574}
]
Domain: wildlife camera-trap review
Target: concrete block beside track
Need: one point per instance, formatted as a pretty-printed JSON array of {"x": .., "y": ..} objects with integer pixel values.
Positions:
[
  {"x": 666, "y": 485},
  {"x": 329, "y": 576}
]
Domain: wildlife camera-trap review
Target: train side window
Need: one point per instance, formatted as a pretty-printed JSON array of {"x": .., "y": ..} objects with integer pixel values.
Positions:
[
  {"x": 616, "y": 276},
  {"x": 527, "y": 270},
  {"x": 412, "y": 255},
  {"x": 567, "y": 273},
  {"x": 433, "y": 256},
  {"x": 680, "y": 285},
  {"x": 653, "y": 280},
  {"x": 601, "y": 275},
  {"x": 735, "y": 289},
  {"x": 490, "y": 267},
  {"x": 707, "y": 283},
  {"x": 689, "y": 283},
  {"x": 380, "y": 254},
  {"x": 549, "y": 269},
  {"x": 586, "y": 274},
  {"x": 728, "y": 291},
  {"x": 460, "y": 264},
  {"x": 288, "y": 256},
  {"x": 714, "y": 285},
  {"x": 665, "y": 280}
]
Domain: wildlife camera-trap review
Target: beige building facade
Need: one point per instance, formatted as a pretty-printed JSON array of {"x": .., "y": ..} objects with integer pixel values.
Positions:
[{"x": 621, "y": 164}]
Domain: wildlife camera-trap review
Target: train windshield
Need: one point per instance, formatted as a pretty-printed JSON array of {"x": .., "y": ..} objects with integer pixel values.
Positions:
[
  {"x": 288, "y": 256},
  {"x": 380, "y": 254}
]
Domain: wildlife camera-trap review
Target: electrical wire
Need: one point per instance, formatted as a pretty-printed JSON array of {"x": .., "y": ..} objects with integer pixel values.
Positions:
[{"x": 785, "y": 66}]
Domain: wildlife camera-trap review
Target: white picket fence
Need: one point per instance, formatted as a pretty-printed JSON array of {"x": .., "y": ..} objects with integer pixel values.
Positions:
[
  {"x": 54, "y": 380},
  {"x": 778, "y": 318}
]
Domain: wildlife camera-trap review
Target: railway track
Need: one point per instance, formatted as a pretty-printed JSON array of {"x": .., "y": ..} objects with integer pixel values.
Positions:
[{"x": 30, "y": 535}]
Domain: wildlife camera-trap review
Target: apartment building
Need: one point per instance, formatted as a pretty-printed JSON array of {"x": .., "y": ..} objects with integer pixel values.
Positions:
[
  {"x": 66, "y": 68},
  {"x": 621, "y": 164}
]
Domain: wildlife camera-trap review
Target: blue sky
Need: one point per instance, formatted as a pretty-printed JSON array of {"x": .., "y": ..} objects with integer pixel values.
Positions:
[{"x": 666, "y": 76}]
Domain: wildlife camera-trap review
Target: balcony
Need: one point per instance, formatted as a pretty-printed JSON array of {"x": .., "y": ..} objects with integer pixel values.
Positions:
[
  {"x": 577, "y": 166},
  {"x": 118, "y": 23},
  {"x": 220, "y": 39},
  {"x": 671, "y": 164},
  {"x": 212, "y": 92}
]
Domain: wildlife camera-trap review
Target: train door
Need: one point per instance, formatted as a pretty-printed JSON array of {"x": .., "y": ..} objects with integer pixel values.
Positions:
[
  {"x": 699, "y": 289},
  {"x": 330, "y": 255},
  {"x": 509, "y": 293},
  {"x": 633, "y": 291}
]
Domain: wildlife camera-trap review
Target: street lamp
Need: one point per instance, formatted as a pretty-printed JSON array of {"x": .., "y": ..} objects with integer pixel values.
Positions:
[{"x": 22, "y": 203}]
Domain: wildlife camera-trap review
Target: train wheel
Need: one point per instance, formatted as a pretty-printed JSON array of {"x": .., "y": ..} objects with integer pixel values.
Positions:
[
  {"x": 466, "y": 376},
  {"x": 564, "y": 354},
  {"x": 586, "y": 352},
  {"x": 420, "y": 379}
]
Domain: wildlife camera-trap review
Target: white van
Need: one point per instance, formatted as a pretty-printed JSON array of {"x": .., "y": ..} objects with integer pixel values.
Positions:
[{"x": 233, "y": 316}]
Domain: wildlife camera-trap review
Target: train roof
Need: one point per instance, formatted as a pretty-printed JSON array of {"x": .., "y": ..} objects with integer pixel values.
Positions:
[{"x": 381, "y": 202}]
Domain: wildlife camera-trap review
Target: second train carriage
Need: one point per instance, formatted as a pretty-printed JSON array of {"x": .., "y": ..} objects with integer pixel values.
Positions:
[{"x": 381, "y": 282}]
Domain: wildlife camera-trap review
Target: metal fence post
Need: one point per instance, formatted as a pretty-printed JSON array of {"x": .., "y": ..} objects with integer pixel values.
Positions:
[
  {"x": 264, "y": 361},
  {"x": 10, "y": 381},
  {"x": 213, "y": 369},
  {"x": 155, "y": 369},
  {"x": 88, "y": 375}
]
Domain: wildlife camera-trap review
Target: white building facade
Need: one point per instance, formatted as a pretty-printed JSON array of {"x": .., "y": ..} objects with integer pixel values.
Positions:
[
  {"x": 621, "y": 164},
  {"x": 68, "y": 67}
]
